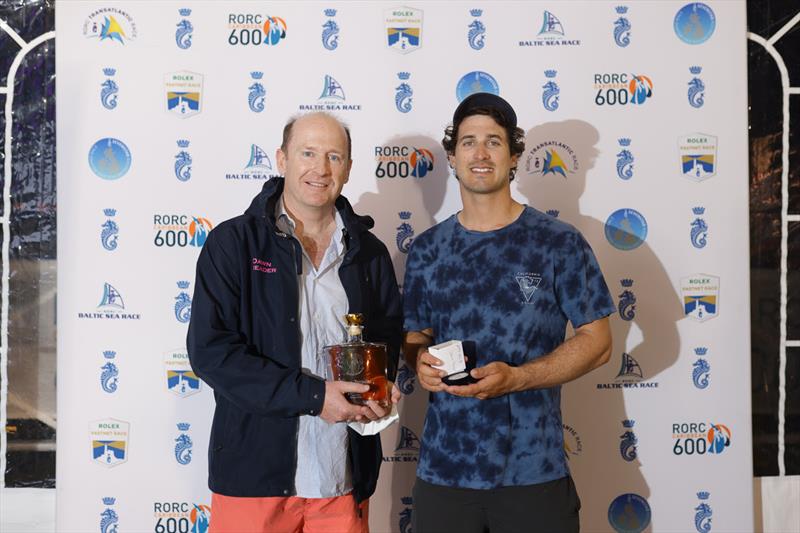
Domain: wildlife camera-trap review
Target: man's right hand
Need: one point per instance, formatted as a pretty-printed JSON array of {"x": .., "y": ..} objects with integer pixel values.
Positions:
[
  {"x": 336, "y": 407},
  {"x": 430, "y": 378}
]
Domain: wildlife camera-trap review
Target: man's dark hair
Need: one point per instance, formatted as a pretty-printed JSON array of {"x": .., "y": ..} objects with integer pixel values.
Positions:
[
  {"x": 516, "y": 137},
  {"x": 287, "y": 132}
]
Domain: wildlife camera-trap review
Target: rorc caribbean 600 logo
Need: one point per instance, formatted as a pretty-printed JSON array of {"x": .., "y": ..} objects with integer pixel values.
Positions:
[
  {"x": 109, "y": 158},
  {"x": 402, "y": 162},
  {"x": 255, "y": 29},
  {"x": 181, "y": 517},
  {"x": 700, "y": 438},
  {"x": 622, "y": 88},
  {"x": 180, "y": 230}
]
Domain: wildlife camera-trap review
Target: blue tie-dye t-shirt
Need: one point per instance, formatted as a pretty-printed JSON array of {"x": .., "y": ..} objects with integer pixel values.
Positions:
[{"x": 511, "y": 291}]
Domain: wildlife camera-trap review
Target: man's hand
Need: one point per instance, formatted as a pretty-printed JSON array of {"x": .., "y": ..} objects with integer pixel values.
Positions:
[
  {"x": 494, "y": 379},
  {"x": 430, "y": 378},
  {"x": 336, "y": 407},
  {"x": 379, "y": 411}
]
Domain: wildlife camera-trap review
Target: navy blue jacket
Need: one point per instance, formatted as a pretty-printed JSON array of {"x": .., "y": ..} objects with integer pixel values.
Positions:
[{"x": 244, "y": 342}]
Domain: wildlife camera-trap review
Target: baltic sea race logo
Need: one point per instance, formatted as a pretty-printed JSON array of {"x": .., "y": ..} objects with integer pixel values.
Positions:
[
  {"x": 626, "y": 229},
  {"x": 403, "y": 29},
  {"x": 109, "y": 520},
  {"x": 109, "y": 231},
  {"x": 629, "y": 376},
  {"x": 257, "y": 167},
  {"x": 180, "y": 230},
  {"x": 332, "y": 98},
  {"x": 110, "y": 24},
  {"x": 109, "y": 158},
  {"x": 183, "y": 161},
  {"x": 183, "y": 33},
  {"x": 181, "y": 379},
  {"x": 330, "y": 31},
  {"x": 109, "y": 373},
  {"x": 111, "y": 307},
  {"x": 407, "y": 449},
  {"x": 551, "y": 33},
  {"x": 700, "y": 294},
  {"x": 181, "y": 516},
  {"x": 700, "y": 438},
  {"x": 621, "y": 88},
  {"x": 183, "y": 93},
  {"x": 476, "y": 34},
  {"x": 396, "y": 161},
  {"x": 109, "y": 89},
  {"x": 255, "y": 29},
  {"x": 694, "y": 23},
  {"x": 629, "y": 513},
  {"x": 109, "y": 441},
  {"x": 698, "y": 153}
]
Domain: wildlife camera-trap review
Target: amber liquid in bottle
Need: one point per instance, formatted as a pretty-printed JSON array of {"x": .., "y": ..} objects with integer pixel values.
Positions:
[{"x": 361, "y": 362}]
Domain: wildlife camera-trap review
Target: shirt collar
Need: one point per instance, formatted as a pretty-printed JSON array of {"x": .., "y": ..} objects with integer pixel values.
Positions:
[{"x": 287, "y": 225}]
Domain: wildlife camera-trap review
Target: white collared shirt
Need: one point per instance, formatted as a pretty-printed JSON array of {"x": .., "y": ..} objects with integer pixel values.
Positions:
[{"x": 322, "y": 458}]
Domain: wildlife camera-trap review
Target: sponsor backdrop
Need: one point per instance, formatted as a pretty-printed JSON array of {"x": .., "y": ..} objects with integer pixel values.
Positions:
[{"x": 635, "y": 133}]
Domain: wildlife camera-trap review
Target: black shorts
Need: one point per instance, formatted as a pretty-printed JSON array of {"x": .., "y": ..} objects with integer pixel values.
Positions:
[{"x": 550, "y": 507}]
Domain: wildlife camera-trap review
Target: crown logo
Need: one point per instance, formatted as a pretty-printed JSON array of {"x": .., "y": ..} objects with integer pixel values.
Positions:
[
  {"x": 183, "y": 143},
  {"x": 628, "y": 423},
  {"x": 185, "y": 11},
  {"x": 109, "y": 354},
  {"x": 108, "y": 71},
  {"x": 700, "y": 351},
  {"x": 183, "y": 284},
  {"x": 476, "y": 12},
  {"x": 109, "y": 501},
  {"x": 626, "y": 282},
  {"x": 330, "y": 12},
  {"x": 404, "y": 215},
  {"x": 256, "y": 75},
  {"x": 403, "y": 75},
  {"x": 698, "y": 210},
  {"x": 703, "y": 495},
  {"x": 625, "y": 141},
  {"x": 621, "y": 9},
  {"x": 695, "y": 69},
  {"x": 109, "y": 212},
  {"x": 183, "y": 426},
  {"x": 553, "y": 212},
  {"x": 550, "y": 73},
  {"x": 408, "y": 500}
]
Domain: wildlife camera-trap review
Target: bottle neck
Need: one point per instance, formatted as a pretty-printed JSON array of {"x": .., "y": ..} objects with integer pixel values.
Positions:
[{"x": 354, "y": 333}]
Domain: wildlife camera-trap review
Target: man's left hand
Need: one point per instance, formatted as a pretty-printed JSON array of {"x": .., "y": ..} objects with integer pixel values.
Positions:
[
  {"x": 494, "y": 379},
  {"x": 380, "y": 412}
]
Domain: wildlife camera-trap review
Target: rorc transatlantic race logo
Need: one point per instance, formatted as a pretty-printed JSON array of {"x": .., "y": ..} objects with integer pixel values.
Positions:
[
  {"x": 184, "y": 30},
  {"x": 109, "y": 158},
  {"x": 703, "y": 513},
  {"x": 181, "y": 517},
  {"x": 551, "y": 33},
  {"x": 627, "y": 300},
  {"x": 552, "y": 158},
  {"x": 183, "y": 445},
  {"x": 109, "y": 373},
  {"x": 403, "y": 92},
  {"x": 184, "y": 92},
  {"x": 330, "y": 31},
  {"x": 629, "y": 513},
  {"x": 625, "y": 160},
  {"x": 395, "y": 161},
  {"x": 403, "y": 29},
  {"x": 622, "y": 88},
  {"x": 407, "y": 449},
  {"x": 698, "y": 153},
  {"x": 476, "y": 34},
  {"x": 109, "y": 231},
  {"x": 694, "y": 23},
  {"x": 628, "y": 441},
  {"x": 109, "y": 520},
  {"x": 181, "y": 379},
  {"x": 626, "y": 229},
  {"x": 573, "y": 445},
  {"x": 183, "y": 161},
  {"x": 700, "y": 293},
  {"x": 476, "y": 81},
  {"x": 700, "y": 438},
  {"x": 255, "y": 29},
  {"x": 179, "y": 230},
  {"x": 109, "y": 441},
  {"x": 622, "y": 27},
  {"x": 630, "y": 376},
  {"x": 332, "y": 98},
  {"x": 701, "y": 369},
  {"x": 110, "y": 24},
  {"x": 111, "y": 307},
  {"x": 258, "y": 166},
  {"x": 109, "y": 89}
]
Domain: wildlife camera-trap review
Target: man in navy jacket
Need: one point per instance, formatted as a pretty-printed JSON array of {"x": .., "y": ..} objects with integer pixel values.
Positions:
[{"x": 270, "y": 291}]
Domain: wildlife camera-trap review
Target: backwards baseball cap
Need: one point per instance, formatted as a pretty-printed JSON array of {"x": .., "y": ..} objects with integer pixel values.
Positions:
[{"x": 485, "y": 100}]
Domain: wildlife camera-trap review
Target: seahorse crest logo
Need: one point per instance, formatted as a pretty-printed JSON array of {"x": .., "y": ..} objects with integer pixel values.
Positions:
[
  {"x": 183, "y": 33},
  {"x": 703, "y": 513},
  {"x": 257, "y": 95},
  {"x": 183, "y": 161},
  {"x": 622, "y": 28},
  {"x": 109, "y": 89},
  {"x": 183, "y": 303},
  {"x": 550, "y": 91},
  {"x": 330, "y": 31},
  {"x": 109, "y": 518},
  {"x": 627, "y": 300},
  {"x": 628, "y": 441},
  {"x": 625, "y": 160},
  {"x": 477, "y": 31},
  {"x": 109, "y": 231},
  {"x": 109, "y": 372},
  {"x": 402, "y": 97},
  {"x": 697, "y": 89},
  {"x": 183, "y": 445}
]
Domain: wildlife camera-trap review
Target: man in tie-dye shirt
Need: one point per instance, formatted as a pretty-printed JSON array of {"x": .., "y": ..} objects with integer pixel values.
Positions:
[{"x": 508, "y": 278}]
